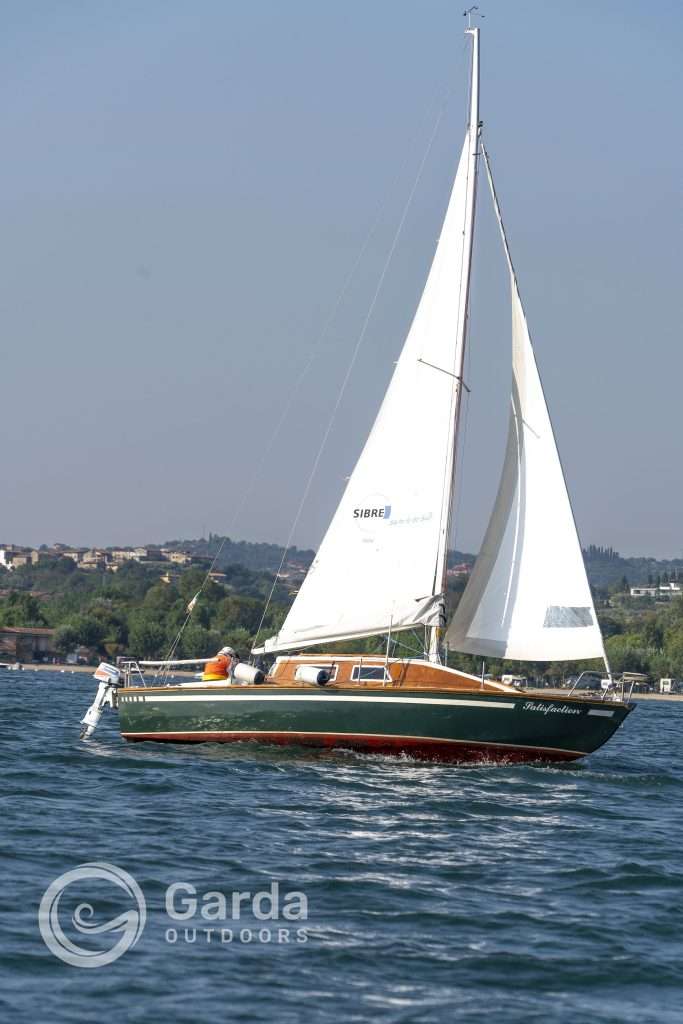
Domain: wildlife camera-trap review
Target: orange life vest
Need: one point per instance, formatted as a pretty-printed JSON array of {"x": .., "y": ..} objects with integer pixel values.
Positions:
[{"x": 217, "y": 668}]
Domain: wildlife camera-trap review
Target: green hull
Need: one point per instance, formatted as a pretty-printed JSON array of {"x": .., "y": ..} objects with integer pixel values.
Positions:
[{"x": 432, "y": 724}]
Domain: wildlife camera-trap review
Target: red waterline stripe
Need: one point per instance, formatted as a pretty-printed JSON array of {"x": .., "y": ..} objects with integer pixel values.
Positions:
[{"x": 432, "y": 749}]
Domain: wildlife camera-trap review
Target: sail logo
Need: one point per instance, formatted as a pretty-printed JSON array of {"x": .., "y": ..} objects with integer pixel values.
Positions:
[{"x": 380, "y": 512}]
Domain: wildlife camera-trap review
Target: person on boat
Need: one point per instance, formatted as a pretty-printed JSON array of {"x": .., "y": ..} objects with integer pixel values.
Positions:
[{"x": 221, "y": 667}]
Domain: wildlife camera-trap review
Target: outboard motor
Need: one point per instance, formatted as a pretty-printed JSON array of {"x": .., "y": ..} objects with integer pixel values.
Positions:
[{"x": 109, "y": 678}]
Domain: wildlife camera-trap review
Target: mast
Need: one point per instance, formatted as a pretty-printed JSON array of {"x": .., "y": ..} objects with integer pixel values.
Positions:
[{"x": 460, "y": 341}]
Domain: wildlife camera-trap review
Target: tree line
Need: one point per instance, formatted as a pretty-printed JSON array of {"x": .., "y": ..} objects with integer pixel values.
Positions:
[{"x": 133, "y": 612}]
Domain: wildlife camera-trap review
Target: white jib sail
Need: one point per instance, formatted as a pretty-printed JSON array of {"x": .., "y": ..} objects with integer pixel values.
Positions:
[
  {"x": 378, "y": 567},
  {"x": 528, "y": 598}
]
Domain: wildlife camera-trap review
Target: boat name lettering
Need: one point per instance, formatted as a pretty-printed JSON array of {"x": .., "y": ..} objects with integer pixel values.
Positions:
[{"x": 551, "y": 709}]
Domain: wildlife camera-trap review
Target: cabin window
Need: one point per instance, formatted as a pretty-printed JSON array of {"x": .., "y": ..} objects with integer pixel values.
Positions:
[{"x": 370, "y": 673}]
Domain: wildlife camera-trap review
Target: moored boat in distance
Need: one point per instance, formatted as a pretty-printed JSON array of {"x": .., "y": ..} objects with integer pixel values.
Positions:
[{"x": 381, "y": 570}]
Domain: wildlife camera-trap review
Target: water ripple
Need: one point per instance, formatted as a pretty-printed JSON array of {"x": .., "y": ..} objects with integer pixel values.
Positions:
[{"x": 436, "y": 893}]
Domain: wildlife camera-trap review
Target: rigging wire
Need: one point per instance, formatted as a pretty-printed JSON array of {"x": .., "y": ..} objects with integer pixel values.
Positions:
[{"x": 395, "y": 642}]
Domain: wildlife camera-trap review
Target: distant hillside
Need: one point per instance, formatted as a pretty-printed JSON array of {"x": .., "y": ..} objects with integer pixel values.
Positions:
[
  {"x": 258, "y": 557},
  {"x": 139, "y": 605},
  {"x": 262, "y": 557},
  {"x": 606, "y": 567}
]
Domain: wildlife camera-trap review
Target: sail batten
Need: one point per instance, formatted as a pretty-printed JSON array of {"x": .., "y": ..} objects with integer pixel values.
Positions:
[{"x": 528, "y": 597}]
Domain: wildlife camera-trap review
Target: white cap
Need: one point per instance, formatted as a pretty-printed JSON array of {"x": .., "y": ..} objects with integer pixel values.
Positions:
[{"x": 227, "y": 650}]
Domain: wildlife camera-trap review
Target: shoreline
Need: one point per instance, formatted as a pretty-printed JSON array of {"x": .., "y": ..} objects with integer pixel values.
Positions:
[{"x": 81, "y": 669}]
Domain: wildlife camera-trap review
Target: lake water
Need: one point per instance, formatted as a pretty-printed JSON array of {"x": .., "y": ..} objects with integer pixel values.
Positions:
[{"x": 430, "y": 892}]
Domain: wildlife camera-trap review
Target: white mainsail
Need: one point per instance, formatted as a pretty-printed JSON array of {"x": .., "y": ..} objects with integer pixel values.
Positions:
[
  {"x": 380, "y": 565},
  {"x": 528, "y": 597}
]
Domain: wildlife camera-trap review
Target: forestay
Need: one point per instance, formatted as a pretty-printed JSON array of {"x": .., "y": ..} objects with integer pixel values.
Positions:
[
  {"x": 377, "y": 568},
  {"x": 528, "y": 597}
]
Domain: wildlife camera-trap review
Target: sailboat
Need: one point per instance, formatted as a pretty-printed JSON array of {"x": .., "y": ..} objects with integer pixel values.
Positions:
[{"x": 381, "y": 568}]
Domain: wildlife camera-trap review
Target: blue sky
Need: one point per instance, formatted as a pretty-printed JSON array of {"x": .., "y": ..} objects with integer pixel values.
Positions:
[{"x": 186, "y": 188}]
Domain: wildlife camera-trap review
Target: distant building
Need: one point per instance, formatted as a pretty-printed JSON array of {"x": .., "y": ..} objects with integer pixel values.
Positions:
[
  {"x": 95, "y": 559},
  {"x": 75, "y": 554},
  {"x": 297, "y": 569},
  {"x": 8, "y": 555},
  {"x": 18, "y": 643},
  {"x": 663, "y": 591},
  {"x": 20, "y": 560},
  {"x": 13, "y": 557},
  {"x": 177, "y": 557},
  {"x": 122, "y": 554},
  {"x": 669, "y": 686},
  {"x": 152, "y": 554}
]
